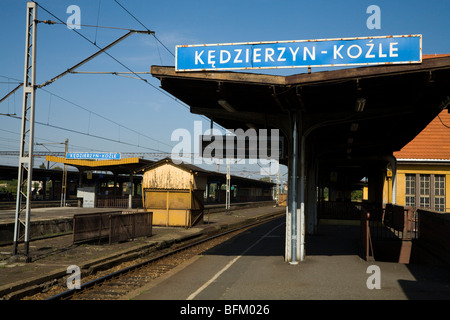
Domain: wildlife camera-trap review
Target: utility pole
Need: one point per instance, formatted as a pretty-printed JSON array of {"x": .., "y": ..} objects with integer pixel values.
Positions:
[
  {"x": 23, "y": 204},
  {"x": 278, "y": 185},
  {"x": 25, "y": 174},
  {"x": 228, "y": 192},
  {"x": 64, "y": 179}
]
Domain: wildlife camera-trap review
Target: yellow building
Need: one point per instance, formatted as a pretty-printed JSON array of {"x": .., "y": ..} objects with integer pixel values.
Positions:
[
  {"x": 174, "y": 193},
  {"x": 423, "y": 169}
]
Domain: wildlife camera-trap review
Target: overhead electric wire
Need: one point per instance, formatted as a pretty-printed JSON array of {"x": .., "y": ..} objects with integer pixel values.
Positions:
[
  {"x": 134, "y": 17},
  {"x": 154, "y": 35},
  {"x": 103, "y": 117},
  {"x": 98, "y": 18},
  {"x": 99, "y": 115},
  {"x": 71, "y": 145},
  {"x": 88, "y": 134},
  {"x": 123, "y": 65},
  {"x": 85, "y": 25},
  {"x": 119, "y": 62}
]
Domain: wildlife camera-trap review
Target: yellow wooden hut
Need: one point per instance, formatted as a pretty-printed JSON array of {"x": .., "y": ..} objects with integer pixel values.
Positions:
[{"x": 174, "y": 193}]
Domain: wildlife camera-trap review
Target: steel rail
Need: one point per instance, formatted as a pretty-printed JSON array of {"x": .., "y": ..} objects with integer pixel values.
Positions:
[{"x": 72, "y": 292}]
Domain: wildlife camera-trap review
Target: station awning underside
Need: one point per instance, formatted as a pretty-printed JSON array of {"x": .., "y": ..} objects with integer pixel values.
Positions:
[
  {"x": 122, "y": 166},
  {"x": 400, "y": 100}
]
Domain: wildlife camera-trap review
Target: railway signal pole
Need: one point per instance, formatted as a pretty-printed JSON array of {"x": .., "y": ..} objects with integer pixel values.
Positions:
[
  {"x": 64, "y": 179},
  {"x": 25, "y": 174}
]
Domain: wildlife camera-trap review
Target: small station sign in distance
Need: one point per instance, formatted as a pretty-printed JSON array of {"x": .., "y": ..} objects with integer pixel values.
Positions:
[{"x": 93, "y": 155}]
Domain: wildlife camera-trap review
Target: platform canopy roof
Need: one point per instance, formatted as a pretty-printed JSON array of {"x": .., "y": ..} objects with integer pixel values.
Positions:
[
  {"x": 349, "y": 115},
  {"x": 121, "y": 166}
]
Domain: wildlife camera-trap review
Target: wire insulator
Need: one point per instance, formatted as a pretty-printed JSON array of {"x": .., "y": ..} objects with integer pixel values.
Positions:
[{"x": 47, "y": 21}]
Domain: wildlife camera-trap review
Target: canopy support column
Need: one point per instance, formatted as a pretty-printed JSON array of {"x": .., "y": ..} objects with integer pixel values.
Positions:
[{"x": 296, "y": 196}]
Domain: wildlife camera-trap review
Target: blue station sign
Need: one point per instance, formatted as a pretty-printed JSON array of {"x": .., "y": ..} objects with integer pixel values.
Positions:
[
  {"x": 300, "y": 53},
  {"x": 93, "y": 155}
]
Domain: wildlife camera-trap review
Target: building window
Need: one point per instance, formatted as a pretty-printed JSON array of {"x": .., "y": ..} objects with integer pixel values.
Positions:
[
  {"x": 424, "y": 191},
  {"x": 428, "y": 189},
  {"x": 410, "y": 193},
  {"x": 439, "y": 192}
]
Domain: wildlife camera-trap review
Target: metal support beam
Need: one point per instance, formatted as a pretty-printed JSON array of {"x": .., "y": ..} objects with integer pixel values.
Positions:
[
  {"x": 228, "y": 192},
  {"x": 277, "y": 192},
  {"x": 79, "y": 64},
  {"x": 23, "y": 204},
  {"x": 394, "y": 180},
  {"x": 302, "y": 198},
  {"x": 293, "y": 230},
  {"x": 64, "y": 179},
  {"x": 130, "y": 195}
]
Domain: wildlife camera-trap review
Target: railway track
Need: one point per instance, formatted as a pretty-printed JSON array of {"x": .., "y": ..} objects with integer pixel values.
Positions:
[{"x": 115, "y": 283}]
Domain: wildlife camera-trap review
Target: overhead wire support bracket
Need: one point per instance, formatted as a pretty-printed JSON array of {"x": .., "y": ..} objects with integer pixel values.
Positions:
[
  {"x": 71, "y": 69},
  {"x": 49, "y": 22},
  {"x": 115, "y": 73},
  {"x": 11, "y": 92},
  {"x": 79, "y": 64}
]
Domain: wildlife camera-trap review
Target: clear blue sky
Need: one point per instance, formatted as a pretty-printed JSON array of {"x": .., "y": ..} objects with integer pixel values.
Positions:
[{"x": 135, "y": 105}]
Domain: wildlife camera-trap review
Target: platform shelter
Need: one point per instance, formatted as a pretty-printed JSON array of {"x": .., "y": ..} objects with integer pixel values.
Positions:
[
  {"x": 120, "y": 168},
  {"x": 340, "y": 126}
]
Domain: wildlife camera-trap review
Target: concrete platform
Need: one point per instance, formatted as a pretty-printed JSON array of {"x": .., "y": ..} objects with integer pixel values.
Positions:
[
  {"x": 251, "y": 267},
  {"x": 50, "y": 257},
  {"x": 332, "y": 252}
]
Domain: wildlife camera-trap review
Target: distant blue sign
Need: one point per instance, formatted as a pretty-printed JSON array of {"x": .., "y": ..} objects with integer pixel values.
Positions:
[
  {"x": 301, "y": 53},
  {"x": 93, "y": 155}
]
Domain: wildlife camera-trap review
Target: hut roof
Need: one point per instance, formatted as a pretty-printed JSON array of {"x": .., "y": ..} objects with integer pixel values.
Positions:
[
  {"x": 183, "y": 166},
  {"x": 211, "y": 174}
]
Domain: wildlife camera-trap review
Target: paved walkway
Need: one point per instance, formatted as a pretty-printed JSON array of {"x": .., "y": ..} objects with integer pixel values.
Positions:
[{"x": 251, "y": 267}]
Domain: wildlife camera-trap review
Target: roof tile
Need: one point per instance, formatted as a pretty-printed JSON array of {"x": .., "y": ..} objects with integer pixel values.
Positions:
[{"x": 432, "y": 143}]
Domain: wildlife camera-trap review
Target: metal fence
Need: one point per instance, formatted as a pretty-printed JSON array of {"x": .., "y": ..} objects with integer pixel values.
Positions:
[
  {"x": 118, "y": 202},
  {"x": 128, "y": 226},
  {"x": 393, "y": 222},
  {"x": 387, "y": 232},
  {"x": 114, "y": 226},
  {"x": 339, "y": 210}
]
